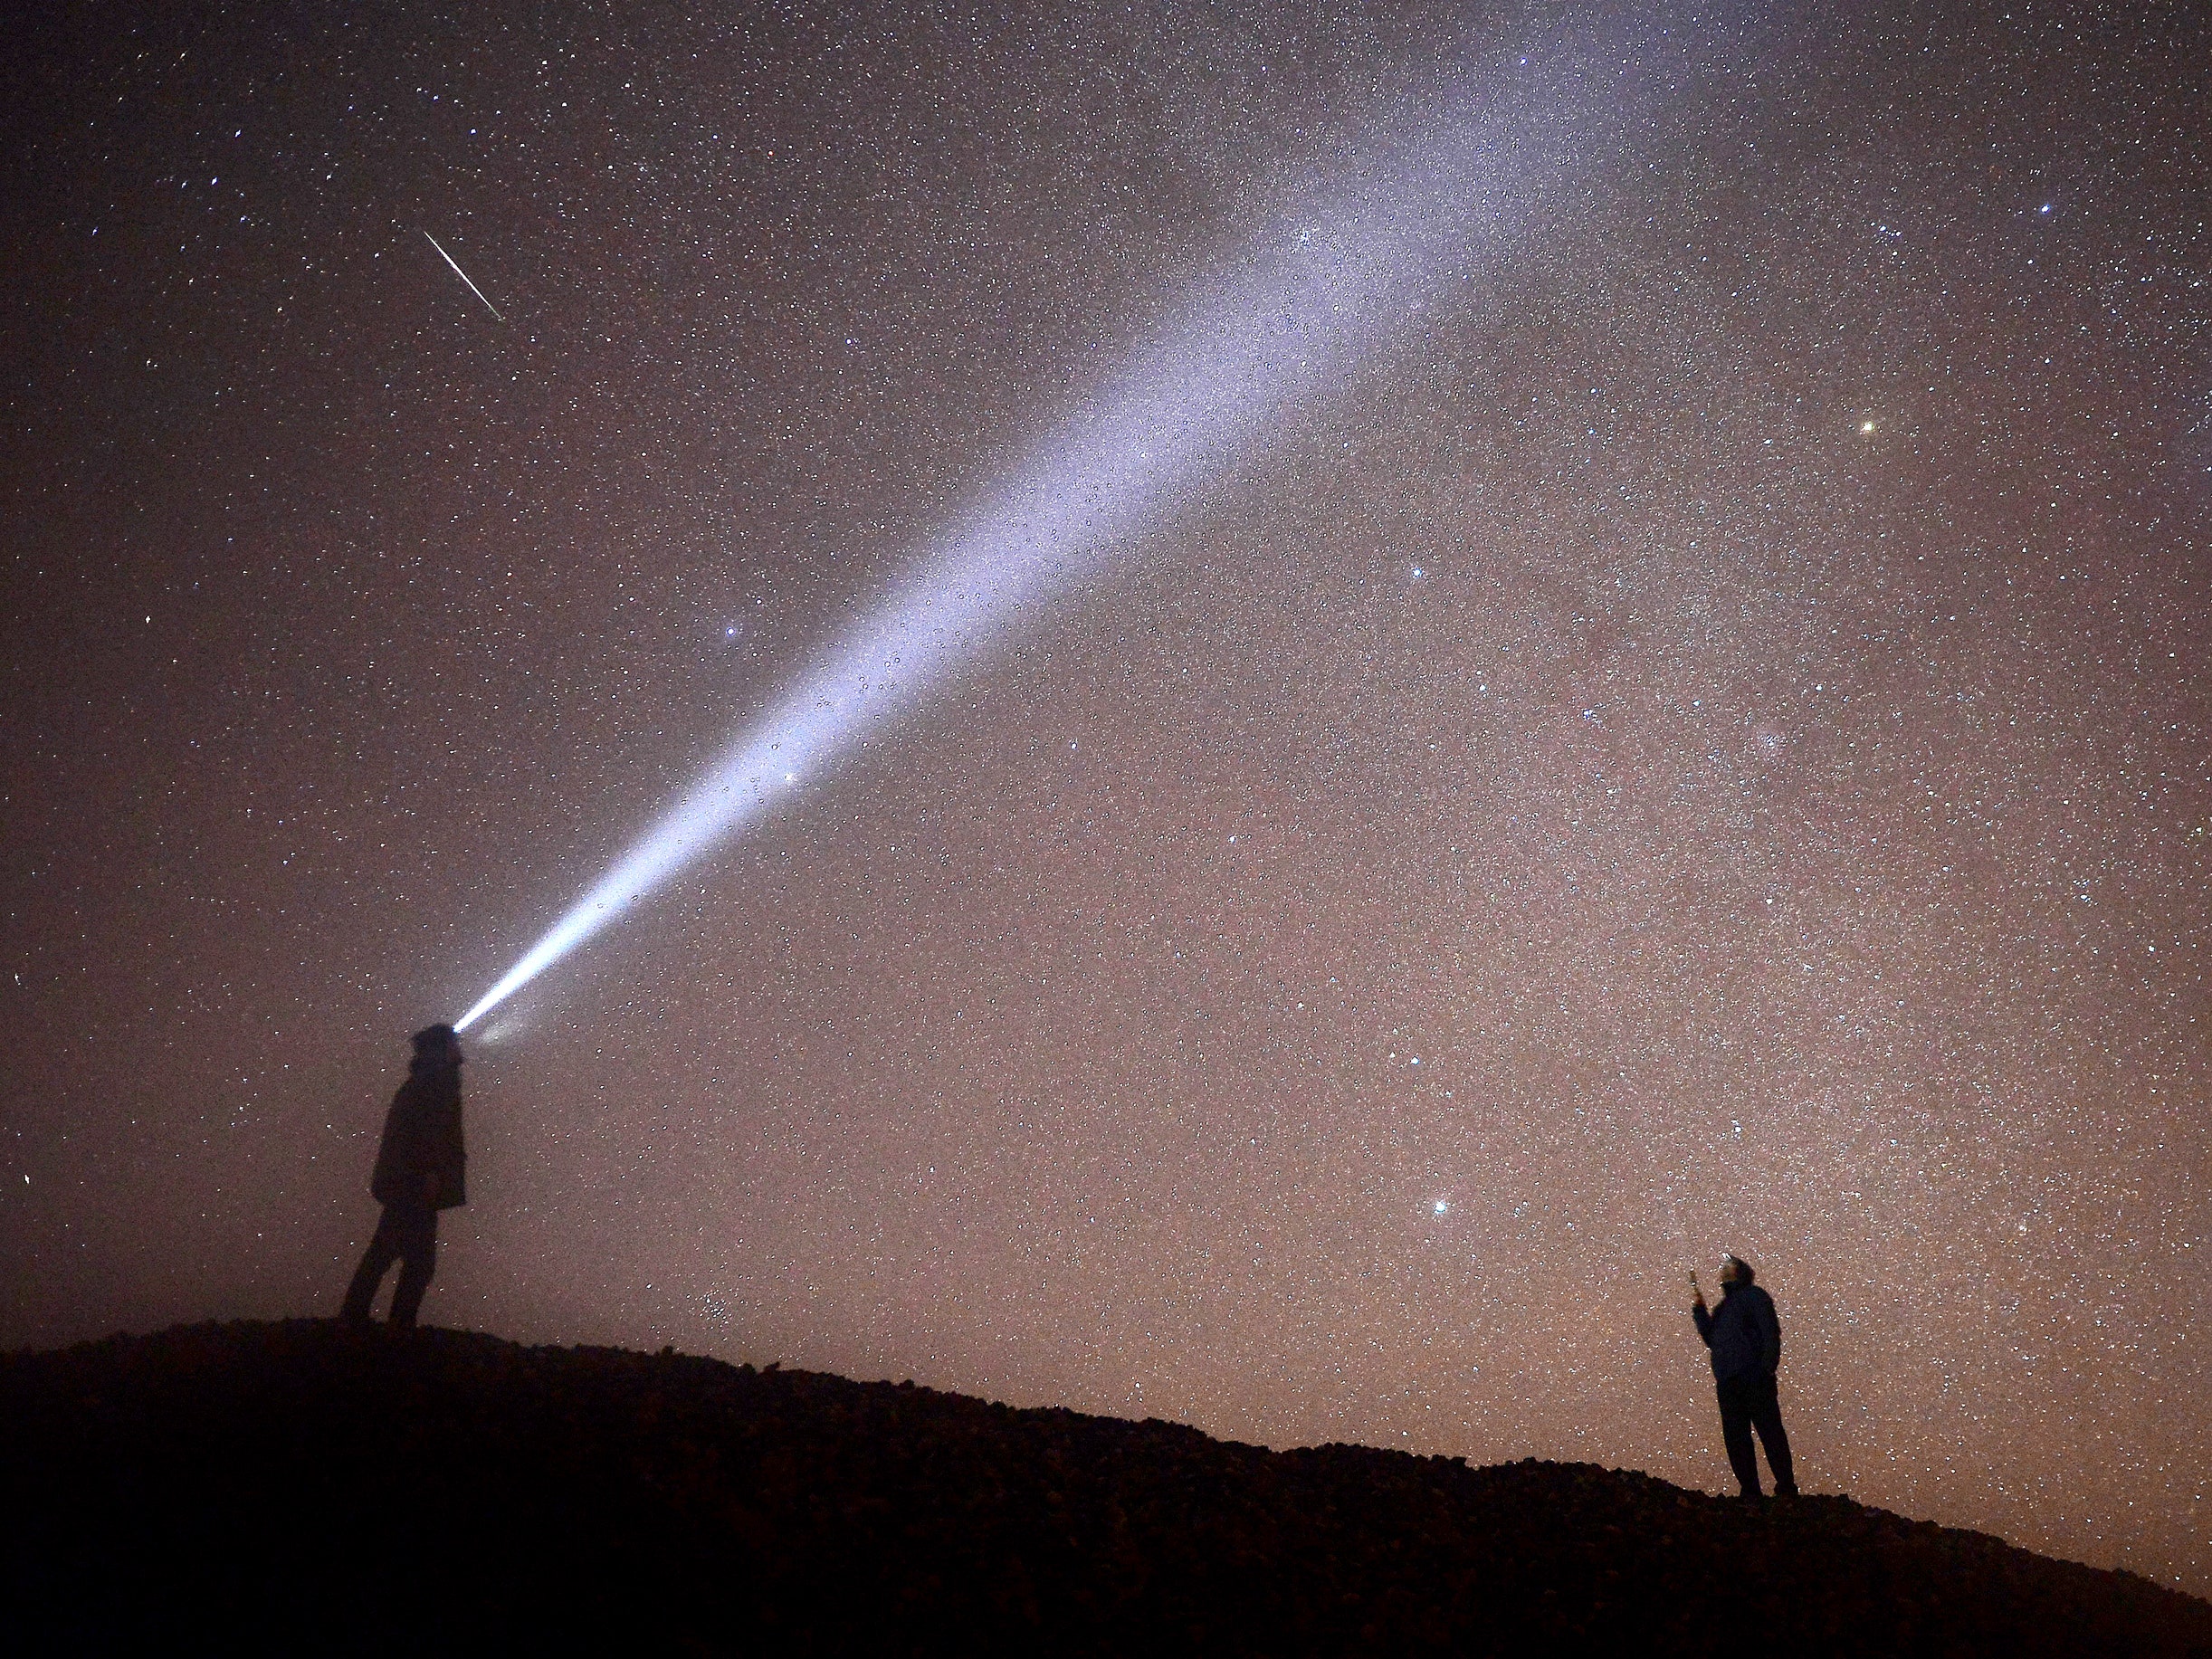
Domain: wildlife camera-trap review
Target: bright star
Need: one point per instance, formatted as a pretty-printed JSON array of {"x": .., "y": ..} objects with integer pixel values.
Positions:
[{"x": 1441, "y": 1207}]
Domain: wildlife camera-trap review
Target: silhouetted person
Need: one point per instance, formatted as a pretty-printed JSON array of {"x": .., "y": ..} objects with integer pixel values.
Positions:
[
  {"x": 421, "y": 1170},
  {"x": 1746, "y": 1339}
]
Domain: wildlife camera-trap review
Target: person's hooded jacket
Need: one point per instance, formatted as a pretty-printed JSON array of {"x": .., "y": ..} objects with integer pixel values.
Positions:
[
  {"x": 422, "y": 1137},
  {"x": 1743, "y": 1332}
]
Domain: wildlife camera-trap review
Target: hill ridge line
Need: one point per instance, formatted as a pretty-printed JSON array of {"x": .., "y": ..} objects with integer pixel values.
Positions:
[{"x": 258, "y": 1471}]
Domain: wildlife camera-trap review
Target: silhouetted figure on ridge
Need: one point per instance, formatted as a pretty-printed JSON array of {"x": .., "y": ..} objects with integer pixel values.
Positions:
[
  {"x": 421, "y": 1170},
  {"x": 1746, "y": 1339}
]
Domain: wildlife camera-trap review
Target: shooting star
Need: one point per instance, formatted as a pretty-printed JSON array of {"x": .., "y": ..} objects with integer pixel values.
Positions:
[{"x": 463, "y": 275}]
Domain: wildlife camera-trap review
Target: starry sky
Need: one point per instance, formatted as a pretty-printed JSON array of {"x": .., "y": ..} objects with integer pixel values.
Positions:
[{"x": 1696, "y": 738}]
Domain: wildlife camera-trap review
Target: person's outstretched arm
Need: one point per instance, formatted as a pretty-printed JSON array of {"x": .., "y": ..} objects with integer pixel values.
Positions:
[{"x": 1699, "y": 1313}]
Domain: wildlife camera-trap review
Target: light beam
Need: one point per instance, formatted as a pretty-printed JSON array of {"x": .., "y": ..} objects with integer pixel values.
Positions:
[{"x": 1348, "y": 267}]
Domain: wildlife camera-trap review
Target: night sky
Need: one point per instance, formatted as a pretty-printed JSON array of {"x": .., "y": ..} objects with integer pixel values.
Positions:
[{"x": 1697, "y": 738}]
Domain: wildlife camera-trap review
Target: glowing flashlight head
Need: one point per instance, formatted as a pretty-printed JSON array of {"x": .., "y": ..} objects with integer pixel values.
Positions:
[{"x": 435, "y": 1042}]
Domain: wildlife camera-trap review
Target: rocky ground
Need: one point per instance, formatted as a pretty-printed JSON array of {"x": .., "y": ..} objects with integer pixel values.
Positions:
[{"x": 297, "y": 1487}]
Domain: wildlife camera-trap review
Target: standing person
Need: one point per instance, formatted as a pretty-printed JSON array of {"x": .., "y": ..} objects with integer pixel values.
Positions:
[
  {"x": 1746, "y": 1340},
  {"x": 421, "y": 1170}
]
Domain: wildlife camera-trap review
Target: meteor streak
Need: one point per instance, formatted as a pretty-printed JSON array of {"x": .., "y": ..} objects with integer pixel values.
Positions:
[
  {"x": 1348, "y": 267},
  {"x": 463, "y": 275}
]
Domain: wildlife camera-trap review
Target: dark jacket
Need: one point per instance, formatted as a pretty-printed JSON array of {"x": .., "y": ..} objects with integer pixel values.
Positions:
[
  {"x": 1745, "y": 1336},
  {"x": 422, "y": 1137}
]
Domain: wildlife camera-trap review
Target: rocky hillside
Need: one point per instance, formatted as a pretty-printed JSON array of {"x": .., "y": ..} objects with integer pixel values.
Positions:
[{"x": 296, "y": 1487}]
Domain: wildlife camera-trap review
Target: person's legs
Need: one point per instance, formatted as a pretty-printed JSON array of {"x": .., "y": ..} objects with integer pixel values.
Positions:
[
  {"x": 383, "y": 1251},
  {"x": 418, "y": 1255},
  {"x": 1736, "y": 1435},
  {"x": 1767, "y": 1417}
]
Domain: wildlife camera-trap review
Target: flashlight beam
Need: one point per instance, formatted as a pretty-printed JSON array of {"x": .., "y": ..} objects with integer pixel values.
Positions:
[{"x": 1346, "y": 269}]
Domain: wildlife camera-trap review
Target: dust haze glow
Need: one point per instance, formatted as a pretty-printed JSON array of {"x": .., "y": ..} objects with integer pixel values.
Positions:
[{"x": 1341, "y": 271}]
